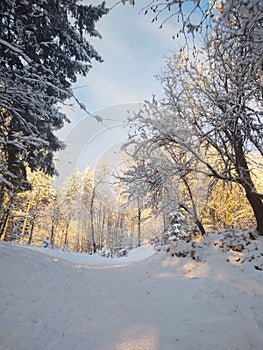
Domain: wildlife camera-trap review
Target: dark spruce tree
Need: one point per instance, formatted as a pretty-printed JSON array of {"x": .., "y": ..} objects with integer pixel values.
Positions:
[{"x": 43, "y": 48}]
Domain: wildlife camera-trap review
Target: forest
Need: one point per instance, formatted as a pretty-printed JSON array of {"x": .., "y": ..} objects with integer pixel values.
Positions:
[
  {"x": 193, "y": 160},
  {"x": 85, "y": 216},
  {"x": 159, "y": 246}
]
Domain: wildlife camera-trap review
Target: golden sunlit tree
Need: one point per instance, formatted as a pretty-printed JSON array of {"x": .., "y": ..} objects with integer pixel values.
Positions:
[
  {"x": 27, "y": 216},
  {"x": 69, "y": 196}
]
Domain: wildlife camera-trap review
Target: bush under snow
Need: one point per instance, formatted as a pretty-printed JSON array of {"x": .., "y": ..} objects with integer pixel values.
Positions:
[{"x": 240, "y": 244}]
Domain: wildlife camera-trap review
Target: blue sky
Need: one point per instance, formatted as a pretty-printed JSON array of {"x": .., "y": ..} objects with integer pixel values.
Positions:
[{"x": 133, "y": 50}]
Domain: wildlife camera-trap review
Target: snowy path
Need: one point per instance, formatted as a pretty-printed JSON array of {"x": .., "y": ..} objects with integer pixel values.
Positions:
[{"x": 160, "y": 303}]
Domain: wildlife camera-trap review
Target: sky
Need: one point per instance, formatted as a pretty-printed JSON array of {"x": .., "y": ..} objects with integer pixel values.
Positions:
[{"x": 134, "y": 51}]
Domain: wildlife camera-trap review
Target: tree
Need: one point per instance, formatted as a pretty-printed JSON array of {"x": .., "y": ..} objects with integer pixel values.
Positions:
[
  {"x": 217, "y": 105},
  {"x": 54, "y": 212},
  {"x": 162, "y": 173},
  {"x": 87, "y": 184},
  {"x": 212, "y": 111},
  {"x": 195, "y": 16},
  {"x": 88, "y": 204},
  {"x": 240, "y": 19},
  {"x": 69, "y": 202},
  {"x": 192, "y": 16},
  {"x": 38, "y": 200},
  {"x": 44, "y": 47},
  {"x": 227, "y": 207},
  {"x": 226, "y": 111},
  {"x": 27, "y": 212}
]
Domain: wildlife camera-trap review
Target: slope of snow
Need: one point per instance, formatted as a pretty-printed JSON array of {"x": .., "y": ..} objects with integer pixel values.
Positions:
[
  {"x": 137, "y": 254},
  {"x": 160, "y": 303}
]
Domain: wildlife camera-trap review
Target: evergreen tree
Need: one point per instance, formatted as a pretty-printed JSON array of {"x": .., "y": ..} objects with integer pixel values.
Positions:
[{"x": 43, "y": 48}]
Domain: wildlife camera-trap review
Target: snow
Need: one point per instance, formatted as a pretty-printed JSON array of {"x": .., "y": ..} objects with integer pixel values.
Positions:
[
  {"x": 137, "y": 254},
  {"x": 148, "y": 301}
]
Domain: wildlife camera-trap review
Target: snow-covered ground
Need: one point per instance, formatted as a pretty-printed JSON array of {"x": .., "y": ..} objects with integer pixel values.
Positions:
[{"x": 147, "y": 301}]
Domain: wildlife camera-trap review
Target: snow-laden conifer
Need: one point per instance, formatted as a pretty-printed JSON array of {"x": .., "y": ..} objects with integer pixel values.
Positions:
[{"x": 44, "y": 47}]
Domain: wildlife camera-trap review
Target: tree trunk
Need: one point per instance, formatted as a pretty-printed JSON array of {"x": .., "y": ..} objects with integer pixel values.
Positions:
[
  {"x": 66, "y": 235},
  {"x": 2, "y": 196},
  {"x": 4, "y": 228},
  {"x": 200, "y": 227},
  {"x": 4, "y": 223},
  {"x": 164, "y": 223},
  {"x": 257, "y": 206},
  {"x": 139, "y": 227},
  {"x": 248, "y": 185},
  {"x": 31, "y": 230},
  {"x": 195, "y": 215},
  {"x": 26, "y": 218},
  {"x": 94, "y": 248},
  {"x": 52, "y": 233},
  {"x": 4, "y": 212}
]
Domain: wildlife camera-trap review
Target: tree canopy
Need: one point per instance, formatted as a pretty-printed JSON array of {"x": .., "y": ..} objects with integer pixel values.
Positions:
[
  {"x": 210, "y": 120},
  {"x": 44, "y": 48}
]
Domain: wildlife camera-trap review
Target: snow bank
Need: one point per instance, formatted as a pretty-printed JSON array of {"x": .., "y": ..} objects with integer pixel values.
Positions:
[{"x": 136, "y": 254}]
